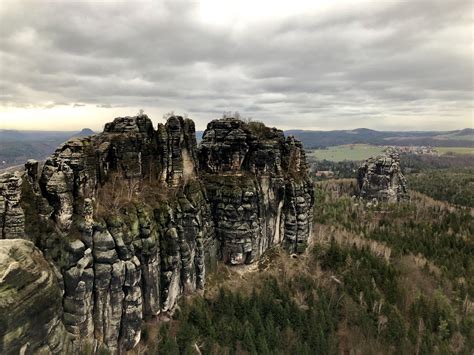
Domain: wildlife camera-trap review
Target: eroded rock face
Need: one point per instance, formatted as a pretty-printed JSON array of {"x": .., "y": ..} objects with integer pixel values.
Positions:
[
  {"x": 12, "y": 218},
  {"x": 132, "y": 218},
  {"x": 381, "y": 178},
  {"x": 30, "y": 301},
  {"x": 258, "y": 187}
]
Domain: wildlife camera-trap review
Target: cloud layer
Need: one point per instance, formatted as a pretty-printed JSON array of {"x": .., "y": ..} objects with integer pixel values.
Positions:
[{"x": 379, "y": 64}]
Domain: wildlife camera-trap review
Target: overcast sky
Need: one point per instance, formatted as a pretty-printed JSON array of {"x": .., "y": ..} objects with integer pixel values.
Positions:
[{"x": 391, "y": 65}]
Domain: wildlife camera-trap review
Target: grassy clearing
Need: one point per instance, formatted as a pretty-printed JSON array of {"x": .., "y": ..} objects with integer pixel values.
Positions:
[
  {"x": 358, "y": 152},
  {"x": 347, "y": 152},
  {"x": 457, "y": 150},
  {"x": 466, "y": 137}
]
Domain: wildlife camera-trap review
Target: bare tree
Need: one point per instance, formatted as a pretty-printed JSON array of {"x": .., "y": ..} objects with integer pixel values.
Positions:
[
  {"x": 168, "y": 115},
  {"x": 230, "y": 114},
  {"x": 132, "y": 188}
]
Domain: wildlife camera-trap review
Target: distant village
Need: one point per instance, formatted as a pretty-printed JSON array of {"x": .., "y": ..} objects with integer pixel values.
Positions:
[{"x": 418, "y": 150}]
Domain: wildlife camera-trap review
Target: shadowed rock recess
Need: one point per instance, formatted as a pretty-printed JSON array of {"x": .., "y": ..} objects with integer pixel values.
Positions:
[{"x": 113, "y": 228}]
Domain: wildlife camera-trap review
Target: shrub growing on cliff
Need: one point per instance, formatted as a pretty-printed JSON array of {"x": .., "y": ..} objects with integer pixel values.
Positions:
[{"x": 258, "y": 129}]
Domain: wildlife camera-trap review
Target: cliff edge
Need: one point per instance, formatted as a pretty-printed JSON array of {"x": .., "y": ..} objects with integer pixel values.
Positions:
[{"x": 124, "y": 222}]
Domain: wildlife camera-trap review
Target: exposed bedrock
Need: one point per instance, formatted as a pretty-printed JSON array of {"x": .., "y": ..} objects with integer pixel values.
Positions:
[
  {"x": 30, "y": 301},
  {"x": 381, "y": 178},
  {"x": 12, "y": 217},
  {"x": 258, "y": 188},
  {"x": 127, "y": 221}
]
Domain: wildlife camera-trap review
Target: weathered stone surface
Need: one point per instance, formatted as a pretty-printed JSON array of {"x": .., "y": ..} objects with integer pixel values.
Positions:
[
  {"x": 132, "y": 218},
  {"x": 255, "y": 178},
  {"x": 30, "y": 301},
  {"x": 12, "y": 218},
  {"x": 381, "y": 178}
]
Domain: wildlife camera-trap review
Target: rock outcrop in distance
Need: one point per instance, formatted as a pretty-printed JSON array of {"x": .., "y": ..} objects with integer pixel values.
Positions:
[
  {"x": 380, "y": 178},
  {"x": 113, "y": 228}
]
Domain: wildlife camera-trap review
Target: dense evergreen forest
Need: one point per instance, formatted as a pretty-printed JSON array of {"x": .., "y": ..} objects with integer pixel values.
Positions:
[
  {"x": 410, "y": 164},
  {"x": 415, "y": 163},
  {"x": 342, "y": 170},
  {"x": 452, "y": 185},
  {"x": 388, "y": 279}
]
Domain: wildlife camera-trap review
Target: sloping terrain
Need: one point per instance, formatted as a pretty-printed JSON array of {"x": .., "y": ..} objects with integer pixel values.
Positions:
[{"x": 395, "y": 279}]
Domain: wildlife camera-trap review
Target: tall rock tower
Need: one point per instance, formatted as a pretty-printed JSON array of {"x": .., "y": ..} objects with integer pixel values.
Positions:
[
  {"x": 381, "y": 178},
  {"x": 258, "y": 187}
]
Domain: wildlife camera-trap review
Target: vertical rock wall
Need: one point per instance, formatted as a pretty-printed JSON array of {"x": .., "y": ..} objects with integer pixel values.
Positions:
[
  {"x": 30, "y": 301},
  {"x": 380, "y": 178},
  {"x": 132, "y": 218},
  {"x": 12, "y": 218},
  {"x": 258, "y": 186}
]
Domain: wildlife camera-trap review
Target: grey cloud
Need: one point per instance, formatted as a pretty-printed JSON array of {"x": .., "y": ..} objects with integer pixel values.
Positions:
[{"x": 376, "y": 63}]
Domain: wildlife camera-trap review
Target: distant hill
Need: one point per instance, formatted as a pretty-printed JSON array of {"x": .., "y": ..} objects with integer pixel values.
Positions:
[
  {"x": 465, "y": 132},
  {"x": 319, "y": 139},
  {"x": 18, "y": 146},
  {"x": 85, "y": 132}
]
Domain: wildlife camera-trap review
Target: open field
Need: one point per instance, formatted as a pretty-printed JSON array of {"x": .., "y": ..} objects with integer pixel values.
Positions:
[
  {"x": 457, "y": 150},
  {"x": 347, "y": 152}
]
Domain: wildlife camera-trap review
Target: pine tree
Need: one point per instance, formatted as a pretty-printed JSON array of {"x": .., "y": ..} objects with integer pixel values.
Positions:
[{"x": 248, "y": 340}]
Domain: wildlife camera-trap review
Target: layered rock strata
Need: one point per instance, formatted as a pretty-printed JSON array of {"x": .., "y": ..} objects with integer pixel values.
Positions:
[
  {"x": 381, "y": 178},
  {"x": 30, "y": 302},
  {"x": 258, "y": 187},
  {"x": 12, "y": 218},
  {"x": 126, "y": 221}
]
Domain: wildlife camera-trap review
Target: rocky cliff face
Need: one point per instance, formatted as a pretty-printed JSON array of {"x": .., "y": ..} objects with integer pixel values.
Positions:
[
  {"x": 30, "y": 302},
  {"x": 259, "y": 190},
  {"x": 380, "y": 178},
  {"x": 126, "y": 221},
  {"x": 12, "y": 218}
]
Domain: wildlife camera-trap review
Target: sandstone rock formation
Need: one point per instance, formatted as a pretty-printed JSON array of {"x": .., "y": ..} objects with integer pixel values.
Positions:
[
  {"x": 12, "y": 218},
  {"x": 130, "y": 219},
  {"x": 258, "y": 186},
  {"x": 30, "y": 301},
  {"x": 380, "y": 178}
]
